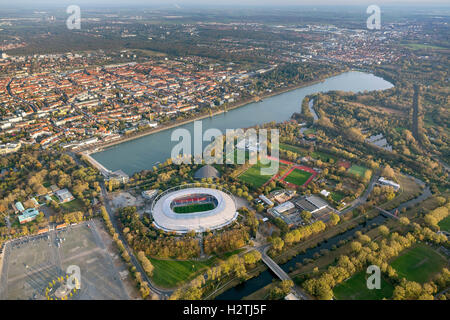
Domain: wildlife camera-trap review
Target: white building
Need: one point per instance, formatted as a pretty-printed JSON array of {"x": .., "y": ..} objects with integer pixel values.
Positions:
[
  {"x": 266, "y": 200},
  {"x": 386, "y": 182},
  {"x": 325, "y": 193},
  {"x": 283, "y": 207}
]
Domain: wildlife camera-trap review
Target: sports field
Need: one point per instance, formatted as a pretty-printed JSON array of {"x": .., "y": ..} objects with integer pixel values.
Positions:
[
  {"x": 445, "y": 224},
  {"x": 355, "y": 288},
  {"x": 298, "y": 177},
  {"x": 194, "y": 208},
  {"x": 419, "y": 263},
  {"x": 253, "y": 175},
  {"x": 357, "y": 170},
  {"x": 171, "y": 273}
]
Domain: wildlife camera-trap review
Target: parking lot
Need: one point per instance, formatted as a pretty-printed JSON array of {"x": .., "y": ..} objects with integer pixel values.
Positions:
[{"x": 31, "y": 263}]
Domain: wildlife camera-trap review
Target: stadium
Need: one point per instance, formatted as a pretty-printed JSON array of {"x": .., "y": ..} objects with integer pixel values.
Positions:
[{"x": 192, "y": 208}]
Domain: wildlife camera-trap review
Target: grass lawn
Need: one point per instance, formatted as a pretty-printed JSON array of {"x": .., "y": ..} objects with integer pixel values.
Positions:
[
  {"x": 355, "y": 288},
  {"x": 194, "y": 208},
  {"x": 309, "y": 131},
  {"x": 445, "y": 224},
  {"x": 323, "y": 156},
  {"x": 337, "y": 196},
  {"x": 357, "y": 170},
  {"x": 295, "y": 149},
  {"x": 74, "y": 205},
  {"x": 253, "y": 175},
  {"x": 303, "y": 152},
  {"x": 419, "y": 263},
  {"x": 298, "y": 177},
  {"x": 170, "y": 273}
]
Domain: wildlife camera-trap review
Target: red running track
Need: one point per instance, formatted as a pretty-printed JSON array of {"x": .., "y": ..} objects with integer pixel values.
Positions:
[{"x": 295, "y": 166}]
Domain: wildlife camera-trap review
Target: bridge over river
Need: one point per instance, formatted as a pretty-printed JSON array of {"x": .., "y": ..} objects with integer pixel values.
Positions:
[{"x": 279, "y": 272}]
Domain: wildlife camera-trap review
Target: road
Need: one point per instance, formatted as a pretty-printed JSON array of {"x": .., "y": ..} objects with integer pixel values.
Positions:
[
  {"x": 362, "y": 199},
  {"x": 162, "y": 293}
]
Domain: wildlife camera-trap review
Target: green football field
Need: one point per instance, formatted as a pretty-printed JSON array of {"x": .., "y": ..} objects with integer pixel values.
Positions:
[
  {"x": 298, "y": 177},
  {"x": 419, "y": 263},
  {"x": 253, "y": 175},
  {"x": 171, "y": 273},
  {"x": 194, "y": 208},
  {"x": 355, "y": 288},
  {"x": 357, "y": 170}
]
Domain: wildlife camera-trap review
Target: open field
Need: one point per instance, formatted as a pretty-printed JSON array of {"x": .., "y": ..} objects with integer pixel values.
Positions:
[
  {"x": 298, "y": 177},
  {"x": 337, "y": 196},
  {"x": 445, "y": 224},
  {"x": 172, "y": 273},
  {"x": 72, "y": 206},
  {"x": 31, "y": 263},
  {"x": 357, "y": 170},
  {"x": 194, "y": 208},
  {"x": 303, "y": 152},
  {"x": 254, "y": 177},
  {"x": 288, "y": 147},
  {"x": 355, "y": 288},
  {"x": 419, "y": 263}
]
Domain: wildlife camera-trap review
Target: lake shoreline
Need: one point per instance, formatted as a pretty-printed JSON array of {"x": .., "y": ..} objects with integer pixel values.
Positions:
[{"x": 102, "y": 146}]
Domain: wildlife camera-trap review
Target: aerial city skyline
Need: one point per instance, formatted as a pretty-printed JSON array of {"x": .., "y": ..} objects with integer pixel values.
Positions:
[{"x": 247, "y": 150}]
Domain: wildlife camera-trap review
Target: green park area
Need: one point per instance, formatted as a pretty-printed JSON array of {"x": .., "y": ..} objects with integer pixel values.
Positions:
[
  {"x": 355, "y": 288},
  {"x": 298, "y": 177},
  {"x": 198, "y": 207},
  {"x": 253, "y": 176},
  {"x": 72, "y": 206},
  {"x": 172, "y": 273},
  {"x": 337, "y": 196},
  {"x": 419, "y": 263},
  {"x": 303, "y": 152},
  {"x": 357, "y": 170},
  {"x": 444, "y": 225}
]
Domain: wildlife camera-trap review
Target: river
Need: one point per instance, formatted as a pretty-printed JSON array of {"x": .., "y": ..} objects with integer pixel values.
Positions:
[
  {"x": 144, "y": 152},
  {"x": 264, "y": 278}
]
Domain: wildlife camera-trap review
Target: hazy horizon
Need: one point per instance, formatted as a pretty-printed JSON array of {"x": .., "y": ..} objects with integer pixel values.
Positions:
[{"x": 178, "y": 4}]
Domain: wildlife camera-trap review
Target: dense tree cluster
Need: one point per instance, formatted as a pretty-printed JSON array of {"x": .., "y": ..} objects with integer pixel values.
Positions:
[
  {"x": 233, "y": 267},
  {"x": 141, "y": 238},
  {"x": 435, "y": 216},
  {"x": 280, "y": 290},
  {"x": 225, "y": 241}
]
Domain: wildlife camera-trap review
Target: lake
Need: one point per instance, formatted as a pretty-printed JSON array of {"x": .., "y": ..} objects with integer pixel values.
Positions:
[{"x": 144, "y": 152}]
